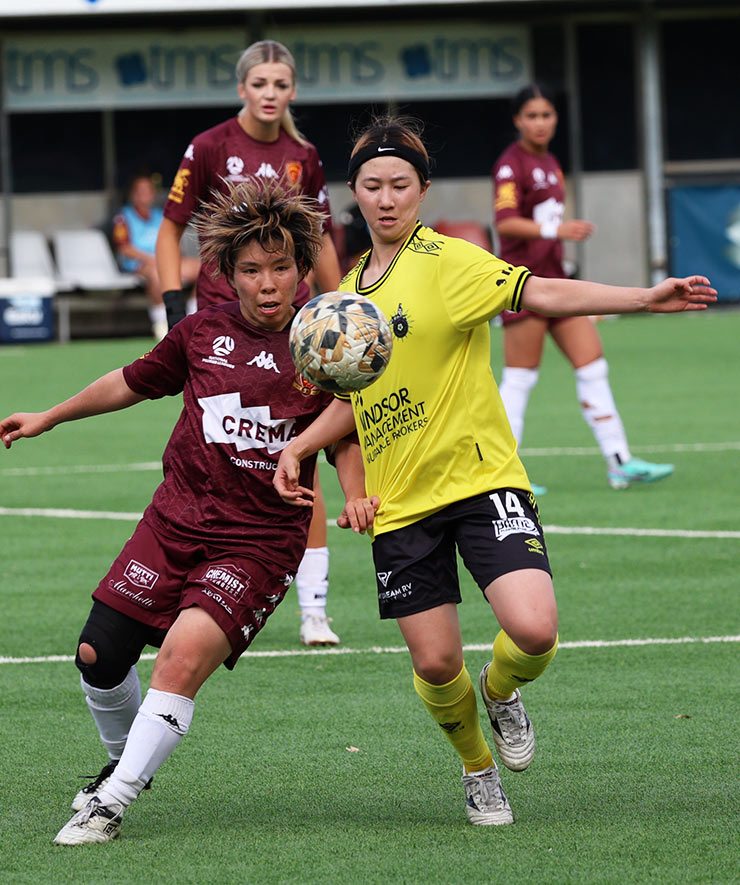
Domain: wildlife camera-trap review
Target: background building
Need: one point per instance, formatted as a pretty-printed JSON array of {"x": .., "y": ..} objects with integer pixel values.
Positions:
[{"x": 94, "y": 92}]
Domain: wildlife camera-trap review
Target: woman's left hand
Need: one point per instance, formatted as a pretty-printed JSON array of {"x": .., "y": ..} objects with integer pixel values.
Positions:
[
  {"x": 358, "y": 514},
  {"x": 673, "y": 295},
  {"x": 285, "y": 480}
]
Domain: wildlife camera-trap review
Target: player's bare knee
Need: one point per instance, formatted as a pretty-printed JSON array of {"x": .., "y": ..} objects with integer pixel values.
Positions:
[
  {"x": 175, "y": 672},
  {"x": 539, "y": 637},
  {"x": 87, "y": 654},
  {"x": 438, "y": 670}
]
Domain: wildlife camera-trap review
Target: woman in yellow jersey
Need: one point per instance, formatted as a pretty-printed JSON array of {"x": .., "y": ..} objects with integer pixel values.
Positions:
[{"x": 441, "y": 466}]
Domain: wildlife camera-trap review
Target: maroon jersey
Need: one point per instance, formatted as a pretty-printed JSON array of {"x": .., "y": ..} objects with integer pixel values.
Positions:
[
  {"x": 226, "y": 153},
  {"x": 529, "y": 186},
  {"x": 242, "y": 404}
]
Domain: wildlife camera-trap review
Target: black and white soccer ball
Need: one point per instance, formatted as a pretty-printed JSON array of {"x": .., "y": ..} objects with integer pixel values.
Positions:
[{"x": 340, "y": 341}]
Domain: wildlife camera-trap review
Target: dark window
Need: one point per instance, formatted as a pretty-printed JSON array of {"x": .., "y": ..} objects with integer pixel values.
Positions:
[
  {"x": 701, "y": 66},
  {"x": 607, "y": 87},
  {"x": 153, "y": 141},
  {"x": 56, "y": 152}
]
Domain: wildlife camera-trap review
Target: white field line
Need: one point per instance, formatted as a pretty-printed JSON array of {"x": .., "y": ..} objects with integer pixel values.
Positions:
[
  {"x": 649, "y": 450},
  {"x": 637, "y": 533},
  {"x": 82, "y": 468},
  {"x": 381, "y": 650},
  {"x": 61, "y": 513},
  {"x": 731, "y": 446}
]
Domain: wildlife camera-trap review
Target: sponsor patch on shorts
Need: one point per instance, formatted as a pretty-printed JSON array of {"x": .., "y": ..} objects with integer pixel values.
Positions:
[
  {"x": 514, "y": 525},
  {"x": 140, "y": 575},
  {"x": 227, "y": 578}
]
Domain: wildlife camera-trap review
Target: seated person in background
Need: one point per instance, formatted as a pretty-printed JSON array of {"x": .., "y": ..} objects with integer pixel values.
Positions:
[{"x": 135, "y": 230}]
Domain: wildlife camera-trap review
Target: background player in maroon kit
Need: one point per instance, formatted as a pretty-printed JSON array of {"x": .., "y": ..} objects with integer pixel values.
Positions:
[
  {"x": 216, "y": 549},
  {"x": 528, "y": 204},
  {"x": 260, "y": 142}
]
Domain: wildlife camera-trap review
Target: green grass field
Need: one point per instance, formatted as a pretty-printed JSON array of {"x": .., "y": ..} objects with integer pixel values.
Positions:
[{"x": 636, "y": 777}]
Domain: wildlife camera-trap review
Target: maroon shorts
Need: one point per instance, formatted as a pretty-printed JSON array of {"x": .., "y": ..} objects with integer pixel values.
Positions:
[
  {"x": 508, "y": 317},
  {"x": 155, "y": 577}
]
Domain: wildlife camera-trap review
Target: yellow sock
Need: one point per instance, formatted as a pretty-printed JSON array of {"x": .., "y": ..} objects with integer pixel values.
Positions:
[
  {"x": 454, "y": 709},
  {"x": 512, "y": 667}
]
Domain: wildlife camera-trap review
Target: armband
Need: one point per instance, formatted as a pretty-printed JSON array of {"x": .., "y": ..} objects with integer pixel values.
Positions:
[
  {"x": 174, "y": 303},
  {"x": 549, "y": 230}
]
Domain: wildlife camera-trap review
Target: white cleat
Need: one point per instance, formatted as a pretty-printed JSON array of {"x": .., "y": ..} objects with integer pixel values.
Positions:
[
  {"x": 315, "y": 630},
  {"x": 513, "y": 734},
  {"x": 485, "y": 801},
  {"x": 95, "y": 823},
  {"x": 97, "y": 782}
]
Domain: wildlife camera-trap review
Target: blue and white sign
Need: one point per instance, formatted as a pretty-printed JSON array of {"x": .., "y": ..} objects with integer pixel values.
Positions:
[
  {"x": 442, "y": 60},
  {"x": 334, "y": 64},
  {"x": 705, "y": 235},
  {"x": 26, "y": 310}
]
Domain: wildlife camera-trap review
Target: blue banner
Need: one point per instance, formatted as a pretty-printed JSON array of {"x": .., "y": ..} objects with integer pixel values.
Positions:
[{"x": 705, "y": 235}]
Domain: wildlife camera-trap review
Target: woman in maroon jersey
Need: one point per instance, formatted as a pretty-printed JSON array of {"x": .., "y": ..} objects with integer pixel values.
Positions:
[
  {"x": 260, "y": 142},
  {"x": 528, "y": 204},
  {"x": 216, "y": 550}
]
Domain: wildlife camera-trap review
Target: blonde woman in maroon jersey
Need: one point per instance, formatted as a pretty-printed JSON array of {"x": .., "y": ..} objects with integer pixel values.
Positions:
[
  {"x": 529, "y": 199},
  {"x": 261, "y": 142}
]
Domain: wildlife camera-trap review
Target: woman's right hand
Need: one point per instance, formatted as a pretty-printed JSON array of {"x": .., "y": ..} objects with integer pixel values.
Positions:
[
  {"x": 575, "y": 229},
  {"x": 286, "y": 478},
  {"x": 23, "y": 425}
]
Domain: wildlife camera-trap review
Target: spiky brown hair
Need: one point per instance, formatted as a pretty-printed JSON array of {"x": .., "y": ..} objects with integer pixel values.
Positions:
[{"x": 276, "y": 216}]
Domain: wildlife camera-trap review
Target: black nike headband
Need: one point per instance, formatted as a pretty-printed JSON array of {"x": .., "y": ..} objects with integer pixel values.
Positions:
[{"x": 388, "y": 149}]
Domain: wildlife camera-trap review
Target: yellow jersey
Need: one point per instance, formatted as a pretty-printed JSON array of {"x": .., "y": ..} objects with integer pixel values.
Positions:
[{"x": 432, "y": 428}]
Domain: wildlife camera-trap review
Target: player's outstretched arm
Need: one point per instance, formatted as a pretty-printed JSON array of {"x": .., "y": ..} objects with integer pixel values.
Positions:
[
  {"x": 556, "y": 297},
  {"x": 334, "y": 423},
  {"x": 359, "y": 509},
  {"x": 108, "y": 394}
]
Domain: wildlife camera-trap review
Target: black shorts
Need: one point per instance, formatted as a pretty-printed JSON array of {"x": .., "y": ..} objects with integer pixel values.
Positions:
[{"x": 496, "y": 533}]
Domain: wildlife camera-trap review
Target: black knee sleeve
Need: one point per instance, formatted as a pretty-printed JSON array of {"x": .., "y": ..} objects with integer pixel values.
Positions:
[{"x": 118, "y": 641}]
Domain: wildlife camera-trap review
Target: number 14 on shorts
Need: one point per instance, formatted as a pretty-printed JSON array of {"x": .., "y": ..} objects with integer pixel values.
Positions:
[
  {"x": 511, "y": 507},
  {"x": 517, "y": 513}
]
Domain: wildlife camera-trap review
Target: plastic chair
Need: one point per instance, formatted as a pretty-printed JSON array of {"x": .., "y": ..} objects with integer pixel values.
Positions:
[
  {"x": 30, "y": 258},
  {"x": 472, "y": 231},
  {"x": 86, "y": 259}
]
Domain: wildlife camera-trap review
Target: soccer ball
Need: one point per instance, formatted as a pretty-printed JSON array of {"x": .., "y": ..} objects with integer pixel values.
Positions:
[{"x": 340, "y": 341}]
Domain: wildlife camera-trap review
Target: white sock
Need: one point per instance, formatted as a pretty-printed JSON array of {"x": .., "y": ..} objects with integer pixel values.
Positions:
[
  {"x": 600, "y": 411},
  {"x": 160, "y": 724},
  {"x": 157, "y": 313},
  {"x": 113, "y": 710},
  {"x": 312, "y": 581},
  {"x": 191, "y": 305},
  {"x": 516, "y": 386}
]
